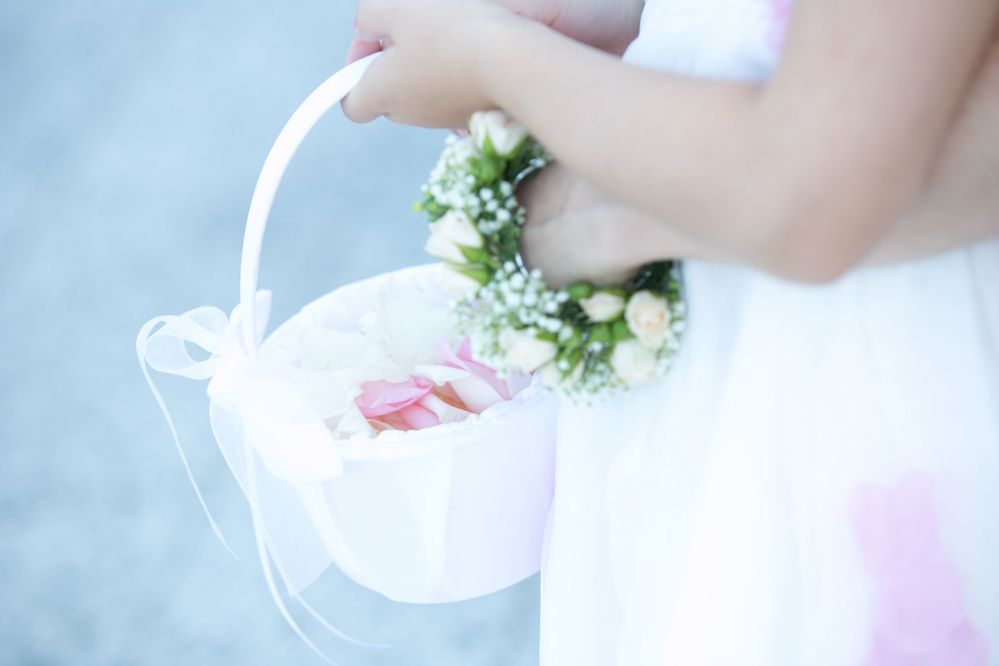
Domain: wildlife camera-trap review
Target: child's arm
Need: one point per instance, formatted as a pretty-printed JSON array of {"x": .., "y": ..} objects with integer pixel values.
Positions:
[
  {"x": 577, "y": 232},
  {"x": 960, "y": 203},
  {"x": 802, "y": 176}
]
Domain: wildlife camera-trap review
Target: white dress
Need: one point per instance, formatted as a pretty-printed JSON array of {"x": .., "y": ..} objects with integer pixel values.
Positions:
[{"x": 817, "y": 480}]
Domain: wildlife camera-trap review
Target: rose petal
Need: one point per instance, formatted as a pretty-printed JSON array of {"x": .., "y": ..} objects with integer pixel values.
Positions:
[
  {"x": 379, "y": 398},
  {"x": 463, "y": 359},
  {"x": 418, "y": 417},
  {"x": 446, "y": 412},
  {"x": 476, "y": 393}
]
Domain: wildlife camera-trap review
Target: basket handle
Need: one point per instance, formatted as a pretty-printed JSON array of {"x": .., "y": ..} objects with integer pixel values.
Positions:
[{"x": 324, "y": 98}]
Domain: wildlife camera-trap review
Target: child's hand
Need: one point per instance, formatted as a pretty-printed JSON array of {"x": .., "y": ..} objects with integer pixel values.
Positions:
[
  {"x": 431, "y": 71},
  {"x": 606, "y": 24},
  {"x": 568, "y": 239},
  {"x": 574, "y": 232},
  {"x": 435, "y": 57}
]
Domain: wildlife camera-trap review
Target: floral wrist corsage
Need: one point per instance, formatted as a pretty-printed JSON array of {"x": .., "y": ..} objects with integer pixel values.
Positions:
[{"x": 586, "y": 341}]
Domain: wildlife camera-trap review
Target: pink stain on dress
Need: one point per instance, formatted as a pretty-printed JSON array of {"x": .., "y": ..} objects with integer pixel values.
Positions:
[
  {"x": 780, "y": 15},
  {"x": 919, "y": 616}
]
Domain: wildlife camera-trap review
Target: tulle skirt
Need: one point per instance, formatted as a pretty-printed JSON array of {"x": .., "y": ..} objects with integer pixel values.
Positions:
[{"x": 816, "y": 482}]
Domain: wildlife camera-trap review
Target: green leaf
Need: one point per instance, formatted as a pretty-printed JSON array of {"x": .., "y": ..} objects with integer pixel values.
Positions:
[
  {"x": 571, "y": 356},
  {"x": 620, "y": 331},
  {"x": 475, "y": 255},
  {"x": 547, "y": 335},
  {"x": 579, "y": 291},
  {"x": 488, "y": 169},
  {"x": 480, "y": 274},
  {"x": 600, "y": 333}
]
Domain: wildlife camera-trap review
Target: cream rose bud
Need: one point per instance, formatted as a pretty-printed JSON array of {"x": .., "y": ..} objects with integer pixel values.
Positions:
[
  {"x": 457, "y": 226},
  {"x": 633, "y": 362},
  {"x": 526, "y": 352},
  {"x": 603, "y": 306},
  {"x": 503, "y": 132},
  {"x": 449, "y": 233},
  {"x": 647, "y": 315}
]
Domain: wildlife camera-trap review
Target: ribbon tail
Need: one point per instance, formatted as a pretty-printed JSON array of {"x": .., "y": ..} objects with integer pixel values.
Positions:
[
  {"x": 265, "y": 558},
  {"x": 140, "y": 349}
]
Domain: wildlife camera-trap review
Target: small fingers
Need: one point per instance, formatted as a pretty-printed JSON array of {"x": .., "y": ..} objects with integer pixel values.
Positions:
[
  {"x": 371, "y": 27},
  {"x": 357, "y": 106},
  {"x": 369, "y": 99},
  {"x": 359, "y": 48}
]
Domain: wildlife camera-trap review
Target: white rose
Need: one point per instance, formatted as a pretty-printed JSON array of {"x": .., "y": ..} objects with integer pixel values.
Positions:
[
  {"x": 503, "y": 132},
  {"x": 603, "y": 306},
  {"x": 462, "y": 149},
  {"x": 647, "y": 315},
  {"x": 458, "y": 284},
  {"x": 525, "y": 351},
  {"x": 633, "y": 362},
  {"x": 449, "y": 233}
]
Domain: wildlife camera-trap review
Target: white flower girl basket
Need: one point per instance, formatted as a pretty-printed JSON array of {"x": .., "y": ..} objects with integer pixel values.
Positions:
[{"x": 441, "y": 514}]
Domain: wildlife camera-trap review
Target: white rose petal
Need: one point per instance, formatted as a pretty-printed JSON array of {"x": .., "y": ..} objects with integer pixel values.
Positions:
[
  {"x": 458, "y": 228},
  {"x": 503, "y": 132},
  {"x": 442, "y": 248},
  {"x": 603, "y": 306},
  {"x": 477, "y": 394},
  {"x": 647, "y": 315},
  {"x": 526, "y": 352},
  {"x": 633, "y": 362},
  {"x": 448, "y": 234},
  {"x": 412, "y": 324},
  {"x": 445, "y": 412}
]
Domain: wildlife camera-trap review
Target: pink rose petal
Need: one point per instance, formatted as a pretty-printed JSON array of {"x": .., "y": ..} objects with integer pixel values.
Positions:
[
  {"x": 463, "y": 360},
  {"x": 381, "y": 397},
  {"x": 418, "y": 417}
]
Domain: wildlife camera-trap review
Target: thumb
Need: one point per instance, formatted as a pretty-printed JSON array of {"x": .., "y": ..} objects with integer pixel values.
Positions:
[
  {"x": 370, "y": 97},
  {"x": 359, "y": 48}
]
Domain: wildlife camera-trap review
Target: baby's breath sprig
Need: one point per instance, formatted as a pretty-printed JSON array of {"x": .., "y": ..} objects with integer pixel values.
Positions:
[{"x": 586, "y": 342}]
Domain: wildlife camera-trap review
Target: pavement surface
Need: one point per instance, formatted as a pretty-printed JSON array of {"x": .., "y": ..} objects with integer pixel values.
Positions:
[{"x": 131, "y": 135}]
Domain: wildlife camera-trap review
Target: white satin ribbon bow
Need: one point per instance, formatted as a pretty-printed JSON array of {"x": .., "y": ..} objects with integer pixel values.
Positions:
[
  {"x": 244, "y": 383},
  {"x": 162, "y": 344}
]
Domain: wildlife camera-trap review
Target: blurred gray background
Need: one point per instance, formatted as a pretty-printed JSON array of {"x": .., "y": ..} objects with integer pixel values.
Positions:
[{"x": 131, "y": 135}]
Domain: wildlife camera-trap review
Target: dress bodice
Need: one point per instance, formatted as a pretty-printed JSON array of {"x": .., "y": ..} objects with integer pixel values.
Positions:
[{"x": 722, "y": 39}]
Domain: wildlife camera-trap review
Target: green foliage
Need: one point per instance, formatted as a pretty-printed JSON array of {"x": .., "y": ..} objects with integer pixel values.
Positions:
[{"x": 482, "y": 184}]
